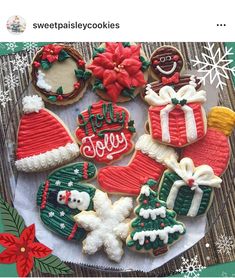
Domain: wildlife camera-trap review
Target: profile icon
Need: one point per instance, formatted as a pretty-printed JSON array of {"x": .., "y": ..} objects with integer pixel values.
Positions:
[{"x": 16, "y": 24}]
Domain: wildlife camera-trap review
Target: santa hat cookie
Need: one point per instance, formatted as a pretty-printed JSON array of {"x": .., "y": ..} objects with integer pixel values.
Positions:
[{"x": 43, "y": 140}]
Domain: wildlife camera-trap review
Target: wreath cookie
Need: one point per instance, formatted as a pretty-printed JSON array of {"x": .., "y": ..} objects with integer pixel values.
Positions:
[
  {"x": 59, "y": 75},
  {"x": 44, "y": 142},
  {"x": 105, "y": 132},
  {"x": 119, "y": 70},
  {"x": 154, "y": 227},
  {"x": 63, "y": 195}
]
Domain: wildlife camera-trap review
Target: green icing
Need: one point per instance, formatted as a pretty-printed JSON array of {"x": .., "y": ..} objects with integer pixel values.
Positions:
[
  {"x": 151, "y": 225},
  {"x": 52, "y": 98},
  {"x": 96, "y": 120},
  {"x": 185, "y": 194},
  {"x": 98, "y": 85},
  {"x": 63, "y": 55},
  {"x": 126, "y": 44},
  {"x": 65, "y": 175},
  {"x": 82, "y": 74},
  {"x": 45, "y": 64},
  {"x": 97, "y": 51},
  {"x": 145, "y": 63},
  {"x": 60, "y": 91}
]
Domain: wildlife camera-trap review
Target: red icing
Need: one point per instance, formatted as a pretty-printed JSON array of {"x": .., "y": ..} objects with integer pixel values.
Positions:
[
  {"x": 73, "y": 232},
  {"x": 85, "y": 167},
  {"x": 127, "y": 179},
  {"x": 176, "y": 124},
  {"x": 118, "y": 67},
  {"x": 212, "y": 150},
  {"x": 51, "y": 52},
  {"x": 88, "y": 147},
  {"x": 171, "y": 80},
  {"x": 40, "y": 132},
  {"x": 44, "y": 195}
]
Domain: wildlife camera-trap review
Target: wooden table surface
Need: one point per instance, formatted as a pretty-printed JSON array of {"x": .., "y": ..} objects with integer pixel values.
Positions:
[{"x": 221, "y": 216}]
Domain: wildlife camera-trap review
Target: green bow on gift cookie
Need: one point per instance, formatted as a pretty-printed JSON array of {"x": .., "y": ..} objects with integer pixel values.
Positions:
[{"x": 187, "y": 189}]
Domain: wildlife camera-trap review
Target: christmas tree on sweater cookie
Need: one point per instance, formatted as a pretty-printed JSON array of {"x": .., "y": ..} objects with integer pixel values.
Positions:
[{"x": 154, "y": 228}]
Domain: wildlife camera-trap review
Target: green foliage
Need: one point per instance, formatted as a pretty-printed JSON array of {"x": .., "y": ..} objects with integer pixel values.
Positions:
[
  {"x": 97, "y": 51},
  {"x": 45, "y": 64},
  {"x": 63, "y": 55}
]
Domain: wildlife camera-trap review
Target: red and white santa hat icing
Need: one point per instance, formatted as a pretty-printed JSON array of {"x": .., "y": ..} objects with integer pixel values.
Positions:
[{"x": 43, "y": 140}]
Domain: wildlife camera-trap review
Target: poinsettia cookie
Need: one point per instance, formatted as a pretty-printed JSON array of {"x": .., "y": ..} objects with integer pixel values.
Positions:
[
  {"x": 176, "y": 118},
  {"x": 44, "y": 142},
  {"x": 119, "y": 70},
  {"x": 107, "y": 225},
  {"x": 154, "y": 227},
  {"x": 187, "y": 189},
  {"x": 214, "y": 148},
  {"x": 64, "y": 194},
  {"x": 105, "y": 132},
  {"x": 59, "y": 74},
  {"x": 166, "y": 66}
]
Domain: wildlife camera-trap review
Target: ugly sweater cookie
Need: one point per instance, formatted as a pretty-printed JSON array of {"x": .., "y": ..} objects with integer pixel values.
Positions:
[
  {"x": 119, "y": 70},
  {"x": 187, "y": 189},
  {"x": 59, "y": 74},
  {"x": 154, "y": 227},
  {"x": 65, "y": 194},
  {"x": 107, "y": 225},
  {"x": 44, "y": 142}
]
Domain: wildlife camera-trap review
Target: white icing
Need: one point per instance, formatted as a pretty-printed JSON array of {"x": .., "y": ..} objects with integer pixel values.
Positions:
[
  {"x": 41, "y": 82},
  {"x": 201, "y": 175},
  {"x": 106, "y": 225},
  {"x": 77, "y": 200},
  {"x": 153, "y": 213},
  {"x": 145, "y": 190},
  {"x": 109, "y": 143},
  {"x": 161, "y": 233},
  {"x": 166, "y": 94},
  {"x": 193, "y": 81},
  {"x": 32, "y": 104},
  {"x": 153, "y": 149},
  {"x": 167, "y": 72},
  {"x": 48, "y": 159}
]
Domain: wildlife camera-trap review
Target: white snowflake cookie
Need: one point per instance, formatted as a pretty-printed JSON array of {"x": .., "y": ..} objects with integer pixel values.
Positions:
[{"x": 107, "y": 225}]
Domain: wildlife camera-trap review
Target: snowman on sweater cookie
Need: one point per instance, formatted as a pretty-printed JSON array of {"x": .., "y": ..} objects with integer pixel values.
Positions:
[{"x": 74, "y": 199}]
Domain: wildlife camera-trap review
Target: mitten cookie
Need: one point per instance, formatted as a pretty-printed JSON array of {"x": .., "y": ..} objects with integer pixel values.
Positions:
[
  {"x": 107, "y": 225},
  {"x": 119, "y": 70},
  {"x": 154, "y": 228},
  {"x": 176, "y": 119},
  {"x": 214, "y": 149},
  {"x": 105, "y": 132},
  {"x": 187, "y": 189},
  {"x": 43, "y": 142},
  {"x": 59, "y": 75},
  {"x": 63, "y": 195},
  {"x": 166, "y": 66},
  {"x": 147, "y": 162}
]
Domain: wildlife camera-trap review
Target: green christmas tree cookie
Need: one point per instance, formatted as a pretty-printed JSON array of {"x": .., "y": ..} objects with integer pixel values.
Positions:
[
  {"x": 63, "y": 195},
  {"x": 187, "y": 189},
  {"x": 154, "y": 228}
]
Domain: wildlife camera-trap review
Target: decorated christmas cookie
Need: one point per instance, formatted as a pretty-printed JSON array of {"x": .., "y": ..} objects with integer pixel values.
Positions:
[
  {"x": 176, "y": 118},
  {"x": 59, "y": 75},
  {"x": 154, "y": 228},
  {"x": 43, "y": 140},
  {"x": 166, "y": 65},
  {"x": 107, "y": 225},
  {"x": 187, "y": 189},
  {"x": 105, "y": 132},
  {"x": 214, "y": 149},
  {"x": 147, "y": 162},
  {"x": 64, "y": 195},
  {"x": 119, "y": 71}
]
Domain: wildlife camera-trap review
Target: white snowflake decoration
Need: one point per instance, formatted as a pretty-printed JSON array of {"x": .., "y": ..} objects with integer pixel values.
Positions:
[
  {"x": 225, "y": 244},
  {"x": 70, "y": 183},
  {"x": 62, "y": 213},
  {"x": 11, "y": 81},
  {"x": 11, "y": 46},
  {"x": 62, "y": 225},
  {"x": 190, "y": 268},
  {"x": 215, "y": 65},
  {"x": 19, "y": 63},
  {"x": 76, "y": 171},
  {"x": 51, "y": 214},
  {"x": 31, "y": 47},
  {"x": 4, "y": 98},
  {"x": 58, "y": 183}
]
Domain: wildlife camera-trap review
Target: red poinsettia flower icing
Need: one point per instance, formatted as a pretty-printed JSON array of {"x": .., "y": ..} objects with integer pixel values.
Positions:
[
  {"x": 51, "y": 52},
  {"x": 22, "y": 250},
  {"x": 118, "y": 67}
]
